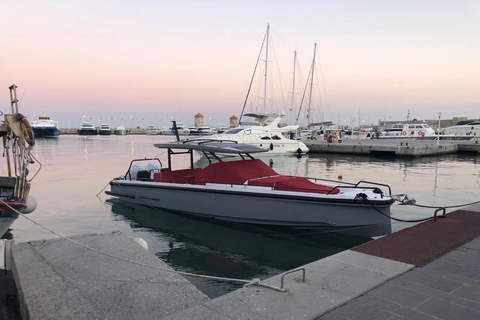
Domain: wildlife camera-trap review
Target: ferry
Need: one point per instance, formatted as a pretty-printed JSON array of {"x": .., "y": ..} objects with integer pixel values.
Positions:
[{"x": 45, "y": 127}]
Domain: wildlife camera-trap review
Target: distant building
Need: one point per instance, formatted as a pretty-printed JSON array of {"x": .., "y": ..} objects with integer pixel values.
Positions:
[
  {"x": 198, "y": 120},
  {"x": 233, "y": 121}
]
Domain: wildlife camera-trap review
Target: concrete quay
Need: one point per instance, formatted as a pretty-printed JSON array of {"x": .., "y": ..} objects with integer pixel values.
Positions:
[
  {"x": 411, "y": 148},
  {"x": 428, "y": 271}
]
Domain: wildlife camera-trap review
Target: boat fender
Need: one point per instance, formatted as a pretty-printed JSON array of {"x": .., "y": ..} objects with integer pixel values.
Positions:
[
  {"x": 31, "y": 205},
  {"x": 140, "y": 241},
  {"x": 299, "y": 151},
  {"x": 271, "y": 146}
]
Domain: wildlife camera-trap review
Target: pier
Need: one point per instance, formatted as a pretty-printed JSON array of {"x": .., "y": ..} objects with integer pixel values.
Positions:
[
  {"x": 428, "y": 271},
  {"x": 394, "y": 147}
]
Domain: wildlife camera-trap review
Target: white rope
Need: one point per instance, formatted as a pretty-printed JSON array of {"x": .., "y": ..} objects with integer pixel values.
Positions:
[{"x": 247, "y": 282}]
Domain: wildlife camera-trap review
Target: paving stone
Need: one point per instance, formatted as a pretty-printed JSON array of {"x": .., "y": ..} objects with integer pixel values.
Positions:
[
  {"x": 401, "y": 282},
  {"x": 332, "y": 316},
  {"x": 399, "y": 295},
  {"x": 469, "y": 292},
  {"x": 377, "y": 302},
  {"x": 446, "y": 310},
  {"x": 413, "y": 315},
  {"x": 468, "y": 303},
  {"x": 362, "y": 311},
  {"x": 454, "y": 271},
  {"x": 474, "y": 244},
  {"x": 465, "y": 257},
  {"x": 432, "y": 281}
]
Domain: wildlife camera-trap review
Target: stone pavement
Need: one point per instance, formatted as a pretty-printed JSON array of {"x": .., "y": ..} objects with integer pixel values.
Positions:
[{"x": 447, "y": 288}]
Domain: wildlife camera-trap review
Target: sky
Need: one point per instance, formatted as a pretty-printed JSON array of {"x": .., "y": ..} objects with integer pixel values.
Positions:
[{"x": 145, "y": 62}]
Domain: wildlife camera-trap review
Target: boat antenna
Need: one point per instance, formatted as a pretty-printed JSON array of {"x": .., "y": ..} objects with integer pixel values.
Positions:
[{"x": 254, "y": 71}]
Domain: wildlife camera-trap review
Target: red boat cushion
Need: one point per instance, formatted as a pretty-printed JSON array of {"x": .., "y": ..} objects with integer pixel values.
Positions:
[
  {"x": 292, "y": 184},
  {"x": 234, "y": 172},
  {"x": 177, "y": 176}
]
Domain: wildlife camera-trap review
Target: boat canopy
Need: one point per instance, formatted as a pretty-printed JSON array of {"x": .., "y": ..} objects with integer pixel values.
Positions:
[{"x": 212, "y": 146}]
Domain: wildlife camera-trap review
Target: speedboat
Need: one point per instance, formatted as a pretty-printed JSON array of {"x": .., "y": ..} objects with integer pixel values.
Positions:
[
  {"x": 87, "y": 128},
  {"x": 249, "y": 191},
  {"x": 104, "y": 130},
  {"x": 18, "y": 141},
  {"x": 45, "y": 127}
]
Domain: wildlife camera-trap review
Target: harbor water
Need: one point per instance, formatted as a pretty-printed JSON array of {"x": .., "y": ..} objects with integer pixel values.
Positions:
[{"x": 75, "y": 170}]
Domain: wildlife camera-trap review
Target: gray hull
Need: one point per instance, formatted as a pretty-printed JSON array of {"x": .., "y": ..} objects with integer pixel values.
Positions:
[{"x": 255, "y": 206}]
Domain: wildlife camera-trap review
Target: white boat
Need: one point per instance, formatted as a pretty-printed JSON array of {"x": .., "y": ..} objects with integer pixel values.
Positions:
[
  {"x": 469, "y": 129},
  {"x": 276, "y": 142},
  {"x": 249, "y": 191},
  {"x": 151, "y": 130},
  {"x": 265, "y": 133},
  {"x": 104, "y": 130},
  {"x": 394, "y": 130},
  {"x": 87, "y": 128},
  {"x": 120, "y": 131},
  {"x": 18, "y": 141},
  {"x": 182, "y": 129},
  {"x": 45, "y": 127},
  {"x": 412, "y": 131}
]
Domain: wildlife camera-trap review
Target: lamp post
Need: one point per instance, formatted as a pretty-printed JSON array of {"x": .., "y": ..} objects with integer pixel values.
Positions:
[{"x": 438, "y": 129}]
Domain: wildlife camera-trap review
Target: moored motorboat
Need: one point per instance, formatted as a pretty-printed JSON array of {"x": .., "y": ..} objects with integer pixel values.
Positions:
[
  {"x": 468, "y": 129},
  {"x": 104, "y": 130},
  {"x": 249, "y": 191},
  {"x": 18, "y": 141},
  {"x": 45, "y": 127},
  {"x": 120, "y": 131},
  {"x": 86, "y": 129},
  {"x": 151, "y": 130}
]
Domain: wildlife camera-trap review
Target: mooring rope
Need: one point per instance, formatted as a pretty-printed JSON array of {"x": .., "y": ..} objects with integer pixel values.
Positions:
[{"x": 255, "y": 281}]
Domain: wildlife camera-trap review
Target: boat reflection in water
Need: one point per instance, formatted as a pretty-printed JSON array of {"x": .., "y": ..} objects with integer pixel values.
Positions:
[{"x": 224, "y": 249}]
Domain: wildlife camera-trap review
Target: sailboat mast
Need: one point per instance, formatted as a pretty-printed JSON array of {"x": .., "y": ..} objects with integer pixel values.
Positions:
[
  {"x": 254, "y": 72},
  {"x": 311, "y": 83},
  {"x": 266, "y": 65},
  {"x": 292, "y": 106}
]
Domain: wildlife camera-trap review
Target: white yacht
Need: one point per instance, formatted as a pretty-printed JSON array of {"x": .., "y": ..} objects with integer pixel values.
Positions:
[
  {"x": 151, "y": 130},
  {"x": 104, "y": 130},
  {"x": 469, "y": 129},
  {"x": 87, "y": 128}
]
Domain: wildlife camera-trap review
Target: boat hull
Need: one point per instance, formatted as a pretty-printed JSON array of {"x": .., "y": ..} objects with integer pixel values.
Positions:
[
  {"x": 6, "y": 221},
  {"x": 87, "y": 132},
  {"x": 235, "y": 203},
  {"x": 45, "y": 131}
]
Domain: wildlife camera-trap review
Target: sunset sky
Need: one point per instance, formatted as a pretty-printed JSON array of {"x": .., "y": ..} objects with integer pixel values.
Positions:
[{"x": 144, "y": 62}]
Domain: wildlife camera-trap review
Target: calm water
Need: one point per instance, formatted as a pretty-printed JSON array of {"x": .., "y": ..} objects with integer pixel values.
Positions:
[{"x": 76, "y": 168}]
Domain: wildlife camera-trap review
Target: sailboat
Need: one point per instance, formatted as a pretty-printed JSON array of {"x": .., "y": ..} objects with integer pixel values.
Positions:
[
  {"x": 265, "y": 130},
  {"x": 311, "y": 132}
]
